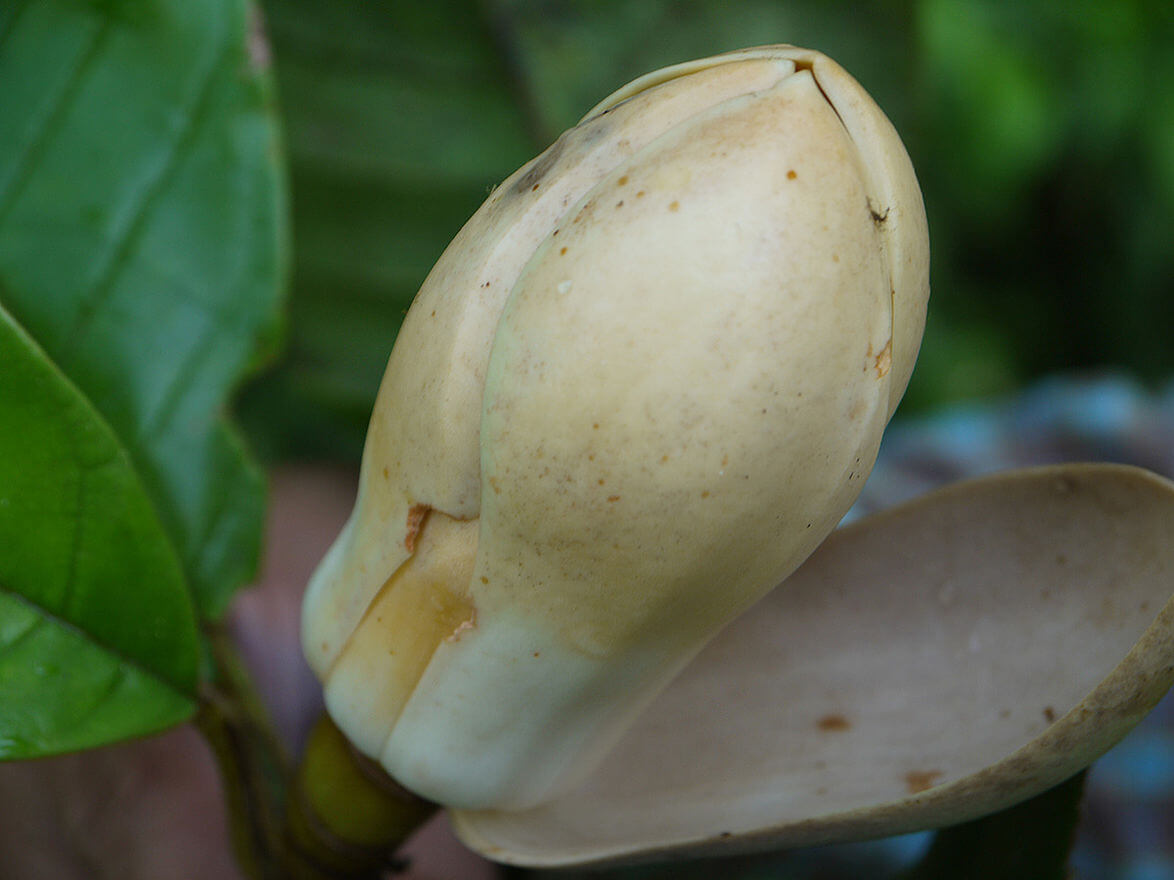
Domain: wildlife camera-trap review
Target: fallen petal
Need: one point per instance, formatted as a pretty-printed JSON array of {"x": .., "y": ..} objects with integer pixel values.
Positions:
[{"x": 927, "y": 665}]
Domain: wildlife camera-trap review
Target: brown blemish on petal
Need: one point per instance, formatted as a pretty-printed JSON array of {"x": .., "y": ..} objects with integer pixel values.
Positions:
[
  {"x": 884, "y": 360},
  {"x": 416, "y": 516},
  {"x": 917, "y": 781},
  {"x": 833, "y": 723},
  {"x": 623, "y": 180},
  {"x": 674, "y": 205},
  {"x": 613, "y": 497},
  {"x": 791, "y": 175},
  {"x": 1049, "y": 714}
]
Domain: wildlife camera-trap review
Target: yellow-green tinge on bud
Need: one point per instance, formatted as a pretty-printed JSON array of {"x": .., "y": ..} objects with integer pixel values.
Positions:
[{"x": 643, "y": 383}]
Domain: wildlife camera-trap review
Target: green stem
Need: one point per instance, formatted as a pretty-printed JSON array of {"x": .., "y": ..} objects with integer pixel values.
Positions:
[{"x": 339, "y": 818}]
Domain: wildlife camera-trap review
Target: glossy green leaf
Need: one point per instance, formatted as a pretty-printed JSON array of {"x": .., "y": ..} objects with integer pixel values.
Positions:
[
  {"x": 98, "y": 636},
  {"x": 141, "y": 232}
]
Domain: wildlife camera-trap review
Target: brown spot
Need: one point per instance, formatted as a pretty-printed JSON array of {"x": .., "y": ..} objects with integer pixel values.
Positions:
[
  {"x": 484, "y": 579},
  {"x": 725, "y": 460},
  {"x": 540, "y": 166},
  {"x": 917, "y": 781},
  {"x": 622, "y": 180},
  {"x": 1049, "y": 714},
  {"x": 601, "y": 481},
  {"x": 835, "y": 258},
  {"x": 613, "y": 497},
  {"x": 537, "y": 654},
  {"x": 595, "y": 426},
  {"x": 562, "y": 251},
  {"x": 416, "y": 516},
  {"x": 640, "y": 194},
  {"x": 620, "y": 203},
  {"x": 493, "y": 485},
  {"x": 834, "y": 723},
  {"x": 877, "y": 217},
  {"x": 705, "y": 494},
  {"x": 674, "y": 205},
  {"x": 725, "y": 834},
  {"x": 663, "y": 459},
  {"x": 554, "y": 233},
  {"x": 386, "y": 474},
  {"x": 791, "y": 175},
  {"x": 884, "y": 360},
  {"x": 433, "y": 315}
]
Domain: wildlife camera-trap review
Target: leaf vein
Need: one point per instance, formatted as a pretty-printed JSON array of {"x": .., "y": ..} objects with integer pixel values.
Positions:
[
  {"x": 27, "y": 163},
  {"x": 52, "y": 617},
  {"x": 122, "y": 247}
]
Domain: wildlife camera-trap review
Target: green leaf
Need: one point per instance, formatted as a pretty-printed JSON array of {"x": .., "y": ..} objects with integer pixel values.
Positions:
[
  {"x": 141, "y": 242},
  {"x": 98, "y": 636}
]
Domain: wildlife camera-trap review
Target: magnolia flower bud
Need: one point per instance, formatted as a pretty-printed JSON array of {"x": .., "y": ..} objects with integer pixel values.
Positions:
[{"x": 643, "y": 383}]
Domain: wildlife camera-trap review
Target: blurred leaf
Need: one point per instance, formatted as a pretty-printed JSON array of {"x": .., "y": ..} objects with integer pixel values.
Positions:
[
  {"x": 97, "y": 630},
  {"x": 141, "y": 233}
]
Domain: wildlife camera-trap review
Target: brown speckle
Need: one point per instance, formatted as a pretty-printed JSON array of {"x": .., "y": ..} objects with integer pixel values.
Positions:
[
  {"x": 705, "y": 494},
  {"x": 595, "y": 426},
  {"x": 725, "y": 834},
  {"x": 674, "y": 205},
  {"x": 386, "y": 473},
  {"x": 1049, "y": 714},
  {"x": 613, "y": 498},
  {"x": 484, "y": 579},
  {"x": 601, "y": 481},
  {"x": 537, "y": 654},
  {"x": 791, "y": 175},
  {"x": 622, "y": 180},
  {"x": 833, "y": 723},
  {"x": 620, "y": 203},
  {"x": 640, "y": 194},
  {"x": 878, "y": 217},
  {"x": 562, "y": 251},
  {"x": 917, "y": 781},
  {"x": 416, "y": 516},
  {"x": 534, "y": 188},
  {"x": 493, "y": 485}
]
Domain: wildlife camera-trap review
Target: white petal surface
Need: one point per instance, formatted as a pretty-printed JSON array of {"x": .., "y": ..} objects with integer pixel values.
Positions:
[{"x": 925, "y": 666}]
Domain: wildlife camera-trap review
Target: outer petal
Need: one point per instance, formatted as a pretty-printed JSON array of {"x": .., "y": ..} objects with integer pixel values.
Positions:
[
  {"x": 925, "y": 666},
  {"x": 423, "y": 444},
  {"x": 683, "y": 399}
]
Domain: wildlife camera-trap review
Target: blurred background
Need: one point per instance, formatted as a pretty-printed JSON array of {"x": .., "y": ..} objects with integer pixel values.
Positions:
[{"x": 1042, "y": 134}]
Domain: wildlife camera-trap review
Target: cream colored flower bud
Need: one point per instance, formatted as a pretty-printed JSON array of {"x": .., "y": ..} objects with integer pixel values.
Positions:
[{"x": 639, "y": 388}]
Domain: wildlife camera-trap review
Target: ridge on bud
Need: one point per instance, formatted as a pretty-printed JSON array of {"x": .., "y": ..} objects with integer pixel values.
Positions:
[{"x": 640, "y": 387}]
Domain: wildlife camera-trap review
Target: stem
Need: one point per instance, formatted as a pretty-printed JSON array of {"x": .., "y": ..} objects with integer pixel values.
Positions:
[{"x": 340, "y": 818}]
